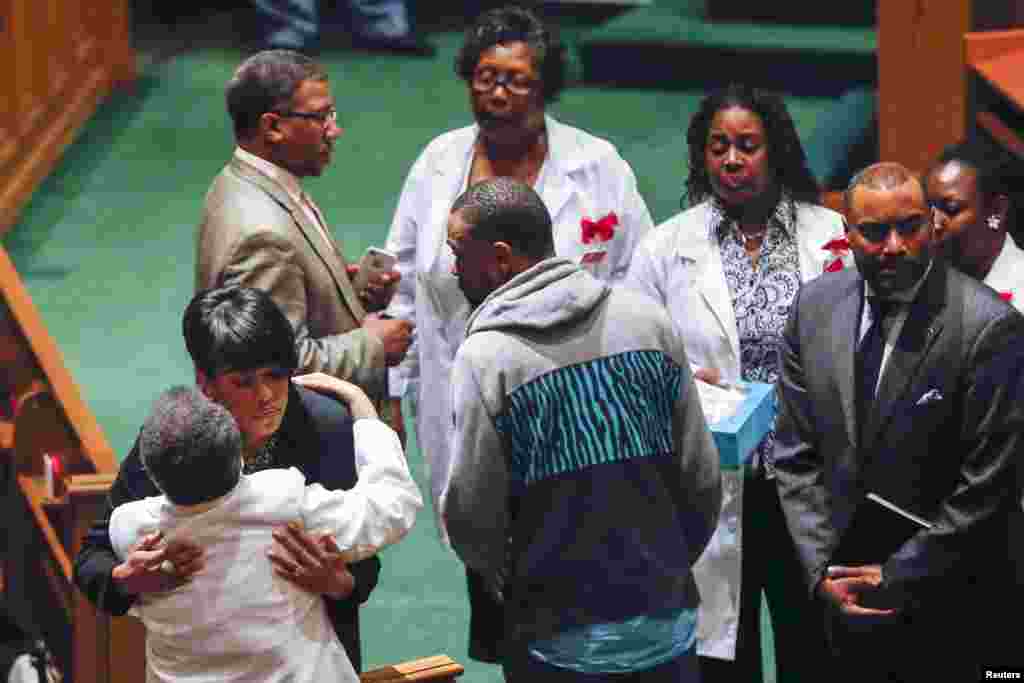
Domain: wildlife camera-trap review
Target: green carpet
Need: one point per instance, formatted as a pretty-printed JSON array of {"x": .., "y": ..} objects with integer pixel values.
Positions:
[{"x": 105, "y": 248}]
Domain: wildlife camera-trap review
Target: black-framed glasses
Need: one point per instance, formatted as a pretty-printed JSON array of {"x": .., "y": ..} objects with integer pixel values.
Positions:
[
  {"x": 485, "y": 80},
  {"x": 878, "y": 232},
  {"x": 322, "y": 117}
]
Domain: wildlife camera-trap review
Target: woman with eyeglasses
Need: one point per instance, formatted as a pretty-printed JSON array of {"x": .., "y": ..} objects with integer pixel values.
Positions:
[
  {"x": 728, "y": 268},
  {"x": 971, "y": 186},
  {"x": 512, "y": 67}
]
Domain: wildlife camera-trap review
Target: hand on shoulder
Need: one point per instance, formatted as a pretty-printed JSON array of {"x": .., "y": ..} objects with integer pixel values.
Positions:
[{"x": 355, "y": 398}]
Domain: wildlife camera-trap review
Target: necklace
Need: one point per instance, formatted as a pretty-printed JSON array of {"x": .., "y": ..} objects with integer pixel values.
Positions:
[
  {"x": 263, "y": 458},
  {"x": 747, "y": 239}
]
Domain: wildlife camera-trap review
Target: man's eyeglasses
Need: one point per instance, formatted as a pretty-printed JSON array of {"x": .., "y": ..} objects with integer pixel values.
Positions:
[
  {"x": 878, "y": 232},
  {"x": 486, "y": 80},
  {"x": 322, "y": 117}
]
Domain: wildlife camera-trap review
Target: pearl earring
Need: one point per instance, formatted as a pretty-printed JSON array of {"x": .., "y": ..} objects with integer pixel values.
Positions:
[{"x": 993, "y": 223}]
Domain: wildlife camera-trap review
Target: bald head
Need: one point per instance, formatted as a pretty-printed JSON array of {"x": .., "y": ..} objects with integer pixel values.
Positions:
[{"x": 885, "y": 175}]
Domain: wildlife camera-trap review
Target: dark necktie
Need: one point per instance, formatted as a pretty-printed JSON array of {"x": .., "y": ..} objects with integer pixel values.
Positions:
[{"x": 869, "y": 359}]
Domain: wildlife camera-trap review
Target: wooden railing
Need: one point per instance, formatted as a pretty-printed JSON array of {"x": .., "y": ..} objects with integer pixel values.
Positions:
[
  {"x": 60, "y": 60},
  {"x": 438, "y": 669},
  {"x": 42, "y": 413}
]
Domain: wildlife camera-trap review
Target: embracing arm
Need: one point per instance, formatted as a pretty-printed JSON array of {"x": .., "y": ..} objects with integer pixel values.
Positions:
[
  {"x": 109, "y": 583},
  {"x": 267, "y": 261},
  {"x": 97, "y": 559},
  {"x": 380, "y": 509}
]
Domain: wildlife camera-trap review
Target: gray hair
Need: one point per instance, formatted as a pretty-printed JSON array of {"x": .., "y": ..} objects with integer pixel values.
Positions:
[
  {"x": 265, "y": 82},
  {"x": 190, "y": 447},
  {"x": 506, "y": 210}
]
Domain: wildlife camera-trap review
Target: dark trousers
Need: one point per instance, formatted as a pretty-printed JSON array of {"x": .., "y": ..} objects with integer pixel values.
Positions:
[
  {"x": 486, "y": 621},
  {"x": 770, "y": 564},
  {"x": 521, "y": 668},
  {"x": 953, "y": 630},
  {"x": 914, "y": 649}
]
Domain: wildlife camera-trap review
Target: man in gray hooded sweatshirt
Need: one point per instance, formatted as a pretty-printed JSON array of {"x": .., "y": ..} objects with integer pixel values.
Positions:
[{"x": 584, "y": 481}]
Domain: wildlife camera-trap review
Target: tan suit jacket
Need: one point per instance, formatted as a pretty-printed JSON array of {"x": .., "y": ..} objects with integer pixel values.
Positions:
[{"x": 254, "y": 234}]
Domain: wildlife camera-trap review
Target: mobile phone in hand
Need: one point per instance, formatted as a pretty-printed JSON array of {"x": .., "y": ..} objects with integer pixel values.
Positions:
[{"x": 374, "y": 260}]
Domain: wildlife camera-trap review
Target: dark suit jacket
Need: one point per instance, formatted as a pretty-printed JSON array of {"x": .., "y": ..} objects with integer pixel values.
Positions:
[
  {"x": 254, "y": 234},
  {"x": 315, "y": 437},
  {"x": 942, "y": 440}
]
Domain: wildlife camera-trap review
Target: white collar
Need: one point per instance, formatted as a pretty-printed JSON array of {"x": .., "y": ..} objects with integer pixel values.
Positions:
[
  {"x": 1005, "y": 273},
  {"x": 199, "y": 508},
  {"x": 283, "y": 177}
]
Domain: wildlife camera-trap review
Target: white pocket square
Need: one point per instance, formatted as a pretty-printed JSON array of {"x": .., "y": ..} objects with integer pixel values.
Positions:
[{"x": 930, "y": 396}]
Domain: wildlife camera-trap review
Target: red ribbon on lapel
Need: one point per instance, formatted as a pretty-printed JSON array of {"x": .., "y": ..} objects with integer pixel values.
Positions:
[
  {"x": 1006, "y": 296},
  {"x": 603, "y": 229},
  {"x": 841, "y": 245}
]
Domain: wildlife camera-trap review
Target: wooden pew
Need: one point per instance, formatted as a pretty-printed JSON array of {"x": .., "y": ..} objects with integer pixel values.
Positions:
[
  {"x": 42, "y": 412},
  {"x": 61, "y": 59},
  {"x": 439, "y": 668}
]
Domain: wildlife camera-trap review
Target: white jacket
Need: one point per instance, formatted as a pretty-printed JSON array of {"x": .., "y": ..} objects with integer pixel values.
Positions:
[
  {"x": 583, "y": 178},
  {"x": 236, "y": 620},
  {"x": 680, "y": 265},
  {"x": 1006, "y": 275}
]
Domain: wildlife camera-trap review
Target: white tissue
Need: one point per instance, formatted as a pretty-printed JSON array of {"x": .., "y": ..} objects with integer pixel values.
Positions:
[{"x": 718, "y": 402}]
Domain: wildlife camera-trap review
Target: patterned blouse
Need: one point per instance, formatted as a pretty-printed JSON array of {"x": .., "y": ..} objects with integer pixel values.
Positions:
[
  {"x": 264, "y": 459},
  {"x": 762, "y": 295}
]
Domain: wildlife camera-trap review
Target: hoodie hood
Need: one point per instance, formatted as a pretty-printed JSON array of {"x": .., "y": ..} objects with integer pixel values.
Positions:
[{"x": 553, "y": 292}]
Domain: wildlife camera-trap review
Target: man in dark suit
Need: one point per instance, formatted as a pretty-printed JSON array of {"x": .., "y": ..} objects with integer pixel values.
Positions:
[{"x": 900, "y": 379}]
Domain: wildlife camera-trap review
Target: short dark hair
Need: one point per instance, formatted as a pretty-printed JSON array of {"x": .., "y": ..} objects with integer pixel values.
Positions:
[
  {"x": 237, "y": 328},
  {"x": 885, "y": 175},
  {"x": 265, "y": 82},
  {"x": 786, "y": 156},
  {"x": 512, "y": 24},
  {"x": 506, "y": 210},
  {"x": 190, "y": 447}
]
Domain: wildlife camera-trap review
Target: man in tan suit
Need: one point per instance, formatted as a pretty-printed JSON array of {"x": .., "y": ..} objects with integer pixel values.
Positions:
[{"x": 261, "y": 230}]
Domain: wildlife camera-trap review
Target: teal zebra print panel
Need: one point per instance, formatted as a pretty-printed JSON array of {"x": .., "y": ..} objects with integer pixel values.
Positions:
[{"x": 606, "y": 410}]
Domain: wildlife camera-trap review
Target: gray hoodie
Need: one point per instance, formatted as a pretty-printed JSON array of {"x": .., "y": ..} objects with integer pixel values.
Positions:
[{"x": 584, "y": 478}]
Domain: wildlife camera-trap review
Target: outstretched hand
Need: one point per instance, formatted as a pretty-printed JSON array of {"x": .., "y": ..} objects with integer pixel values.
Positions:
[{"x": 358, "y": 402}]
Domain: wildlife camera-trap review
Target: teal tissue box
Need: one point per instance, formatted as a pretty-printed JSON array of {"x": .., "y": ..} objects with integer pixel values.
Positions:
[{"x": 739, "y": 434}]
